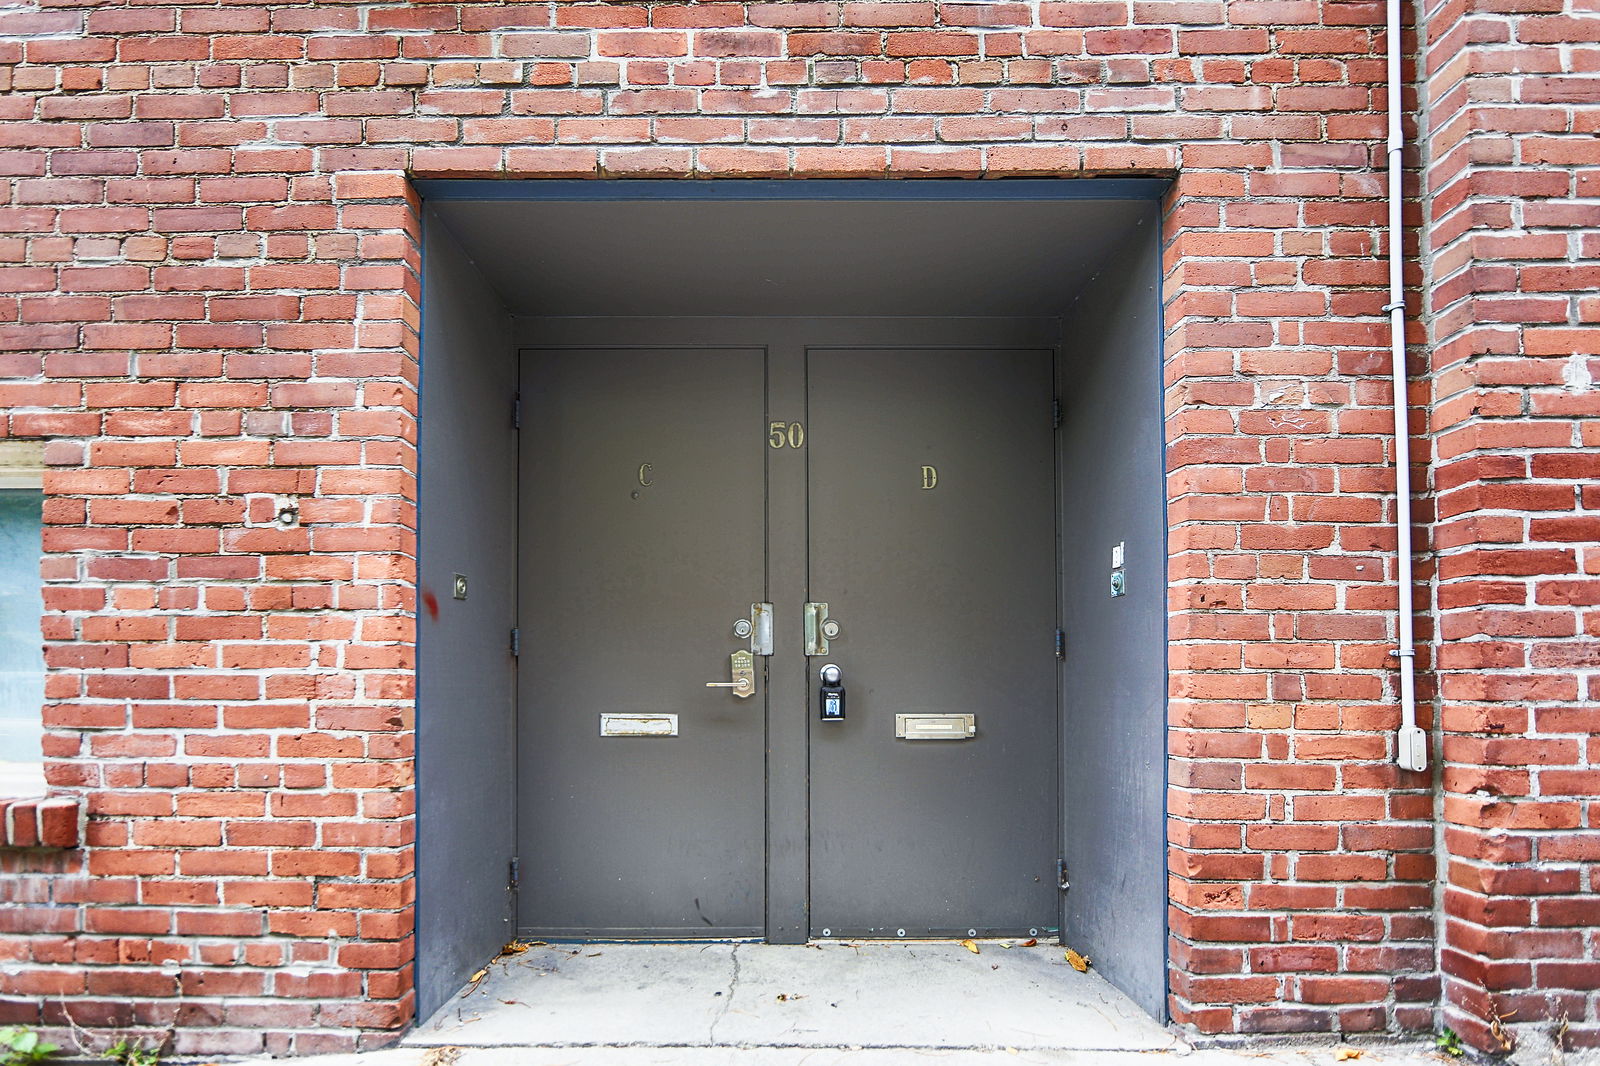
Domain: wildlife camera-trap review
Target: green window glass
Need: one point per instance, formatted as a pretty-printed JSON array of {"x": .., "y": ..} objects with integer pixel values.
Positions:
[{"x": 21, "y": 645}]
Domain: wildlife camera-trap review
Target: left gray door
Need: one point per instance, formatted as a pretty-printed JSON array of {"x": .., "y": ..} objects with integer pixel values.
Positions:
[{"x": 642, "y": 542}]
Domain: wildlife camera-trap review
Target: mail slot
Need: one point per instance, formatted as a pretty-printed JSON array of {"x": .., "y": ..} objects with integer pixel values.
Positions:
[
  {"x": 935, "y": 726},
  {"x": 638, "y": 725}
]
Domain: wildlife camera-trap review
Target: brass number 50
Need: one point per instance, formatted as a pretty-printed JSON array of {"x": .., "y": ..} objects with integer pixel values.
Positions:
[{"x": 792, "y": 434}]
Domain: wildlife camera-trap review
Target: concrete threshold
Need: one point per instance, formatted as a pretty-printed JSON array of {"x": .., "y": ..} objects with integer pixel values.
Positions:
[
  {"x": 902, "y": 995},
  {"x": 827, "y": 1004}
]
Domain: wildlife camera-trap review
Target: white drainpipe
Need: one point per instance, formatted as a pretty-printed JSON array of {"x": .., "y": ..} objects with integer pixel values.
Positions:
[{"x": 1413, "y": 742}]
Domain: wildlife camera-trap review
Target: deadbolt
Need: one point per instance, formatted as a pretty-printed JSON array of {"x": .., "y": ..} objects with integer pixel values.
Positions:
[
  {"x": 757, "y": 629},
  {"x": 819, "y": 629}
]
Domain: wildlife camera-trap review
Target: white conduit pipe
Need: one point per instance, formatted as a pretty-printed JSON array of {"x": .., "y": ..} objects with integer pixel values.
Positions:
[{"x": 1412, "y": 748}]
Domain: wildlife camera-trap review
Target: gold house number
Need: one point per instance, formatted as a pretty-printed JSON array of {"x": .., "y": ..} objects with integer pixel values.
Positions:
[{"x": 786, "y": 434}]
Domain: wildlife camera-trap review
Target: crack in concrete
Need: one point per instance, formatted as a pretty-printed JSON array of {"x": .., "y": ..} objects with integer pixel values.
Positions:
[{"x": 727, "y": 999}]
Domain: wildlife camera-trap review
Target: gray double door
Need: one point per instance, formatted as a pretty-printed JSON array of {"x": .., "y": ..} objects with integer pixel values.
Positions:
[{"x": 666, "y": 490}]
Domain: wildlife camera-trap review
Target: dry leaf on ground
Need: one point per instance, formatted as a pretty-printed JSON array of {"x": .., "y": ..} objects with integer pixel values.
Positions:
[
  {"x": 439, "y": 1056},
  {"x": 1079, "y": 962},
  {"x": 970, "y": 945}
]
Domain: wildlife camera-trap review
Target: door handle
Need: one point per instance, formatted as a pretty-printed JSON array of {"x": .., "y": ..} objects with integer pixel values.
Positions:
[
  {"x": 742, "y": 668},
  {"x": 741, "y": 686}
]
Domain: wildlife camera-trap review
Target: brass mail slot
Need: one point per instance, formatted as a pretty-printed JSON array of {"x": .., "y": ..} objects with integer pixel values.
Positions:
[
  {"x": 935, "y": 726},
  {"x": 638, "y": 725}
]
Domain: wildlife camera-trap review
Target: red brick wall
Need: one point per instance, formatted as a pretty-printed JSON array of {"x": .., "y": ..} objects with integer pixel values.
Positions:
[
  {"x": 1514, "y": 172},
  {"x": 208, "y": 299}
]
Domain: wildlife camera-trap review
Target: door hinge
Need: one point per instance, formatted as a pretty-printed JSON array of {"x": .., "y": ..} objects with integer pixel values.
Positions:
[
  {"x": 516, "y": 642},
  {"x": 1055, "y": 414},
  {"x": 1061, "y": 875},
  {"x": 516, "y": 411},
  {"x": 515, "y": 872},
  {"x": 1061, "y": 645}
]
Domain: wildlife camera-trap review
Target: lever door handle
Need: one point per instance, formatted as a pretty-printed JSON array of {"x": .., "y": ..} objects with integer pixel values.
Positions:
[{"x": 742, "y": 668}]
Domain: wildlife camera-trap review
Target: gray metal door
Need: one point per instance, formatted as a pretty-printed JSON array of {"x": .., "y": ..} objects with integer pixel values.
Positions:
[
  {"x": 642, "y": 533},
  {"x": 916, "y": 498},
  {"x": 932, "y": 540}
]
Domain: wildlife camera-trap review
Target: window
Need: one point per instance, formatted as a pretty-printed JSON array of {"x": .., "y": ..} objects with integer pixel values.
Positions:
[{"x": 21, "y": 605}]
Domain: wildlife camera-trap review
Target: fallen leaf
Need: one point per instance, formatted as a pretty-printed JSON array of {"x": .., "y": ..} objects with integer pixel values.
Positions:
[
  {"x": 1030, "y": 943},
  {"x": 970, "y": 945},
  {"x": 440, "y": 1056},
  {"x": 1079, "y": 962},
  {"x": 1348, "y": 1053}
]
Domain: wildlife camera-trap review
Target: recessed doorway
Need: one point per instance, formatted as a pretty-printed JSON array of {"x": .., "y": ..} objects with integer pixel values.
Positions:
[{"x": 792, "y": 527}]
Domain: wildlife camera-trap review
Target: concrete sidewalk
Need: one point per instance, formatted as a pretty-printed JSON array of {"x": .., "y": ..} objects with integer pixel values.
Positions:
[
  {"x": 821, "y": 1004},
  {"x": 1327, "y": 1054}
]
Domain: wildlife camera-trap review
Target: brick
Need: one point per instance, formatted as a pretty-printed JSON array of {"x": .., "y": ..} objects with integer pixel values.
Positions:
[{"x": 207, "y": 298}]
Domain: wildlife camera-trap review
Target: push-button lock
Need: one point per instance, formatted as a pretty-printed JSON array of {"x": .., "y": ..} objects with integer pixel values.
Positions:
[{"x": 831, "y": 695}]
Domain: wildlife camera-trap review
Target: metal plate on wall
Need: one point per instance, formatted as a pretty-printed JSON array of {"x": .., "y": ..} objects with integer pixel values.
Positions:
[
  {"x": 935, "y": 726},
  {"x": 638, "y": 725}
]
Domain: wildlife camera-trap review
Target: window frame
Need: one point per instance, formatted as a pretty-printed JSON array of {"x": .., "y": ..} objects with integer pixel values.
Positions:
[{"x": 22, "y": 467}]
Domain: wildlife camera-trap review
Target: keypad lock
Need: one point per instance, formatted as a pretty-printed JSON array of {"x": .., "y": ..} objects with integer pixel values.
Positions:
[
  {"x": 830, "y": 695},
  {"x": 742, "y": 668}
]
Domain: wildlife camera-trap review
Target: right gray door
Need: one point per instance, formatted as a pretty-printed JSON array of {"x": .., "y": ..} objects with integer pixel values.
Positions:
[{"x": 932, "y": 540}]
